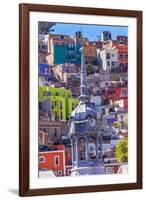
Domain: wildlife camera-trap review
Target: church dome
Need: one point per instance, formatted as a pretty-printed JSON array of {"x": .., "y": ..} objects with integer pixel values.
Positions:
[{"x": 83, "y": 111}]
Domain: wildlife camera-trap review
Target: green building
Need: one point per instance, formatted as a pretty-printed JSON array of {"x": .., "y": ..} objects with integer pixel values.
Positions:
[
  {"x": 61, "y": 102},
  {"x": 68, "y": 53},
  {"x": 60, "y": 52}
]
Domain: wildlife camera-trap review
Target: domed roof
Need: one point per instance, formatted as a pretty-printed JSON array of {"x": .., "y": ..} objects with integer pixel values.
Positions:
[{"x": 83, "y": 111}]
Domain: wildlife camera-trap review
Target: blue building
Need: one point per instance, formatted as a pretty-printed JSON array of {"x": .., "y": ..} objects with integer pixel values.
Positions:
[{"x": 45, "y": 71}]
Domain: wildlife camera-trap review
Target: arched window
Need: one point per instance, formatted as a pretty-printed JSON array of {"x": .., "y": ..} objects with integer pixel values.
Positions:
[
  {"x": 41, "y": 159},
  {"x": 82, "y": 149},
  {"x": 92, "y": 148}
]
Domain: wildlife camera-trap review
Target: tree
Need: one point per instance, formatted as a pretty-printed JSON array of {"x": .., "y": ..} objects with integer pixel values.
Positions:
[
  {"x": 89, "y": 69},
  {"x": 45, "y": 27},
  {"x": 122, "y": 150},
  {"x": 115, "y": 77}
]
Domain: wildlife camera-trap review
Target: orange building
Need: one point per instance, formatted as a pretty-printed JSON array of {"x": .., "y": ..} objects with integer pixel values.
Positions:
[
  {"x": 53, "y": 160},
  {"x": 59, "y": 147},
  {"x": 90, "y": 51},
  {"x": 123, "y": 57},
  {"x": 58, "y": 160}
]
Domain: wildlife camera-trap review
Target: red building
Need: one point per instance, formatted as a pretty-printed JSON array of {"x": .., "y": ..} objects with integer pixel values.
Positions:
[
  {"x": 112, "y": 168},
  {"x": 68, "y": 170},
  {"x": 116, "y": 94},
  {"x": 53, "y": 160},
  {"x": 122, "y": 57},
  {"x": 58, "y": 148},
  {"x": 122, "y": 39},
  {"x": 58, "y": 160}
]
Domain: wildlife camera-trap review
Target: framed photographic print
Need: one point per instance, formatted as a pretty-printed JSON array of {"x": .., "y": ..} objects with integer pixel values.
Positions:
[{"x": 80, "y": 99}]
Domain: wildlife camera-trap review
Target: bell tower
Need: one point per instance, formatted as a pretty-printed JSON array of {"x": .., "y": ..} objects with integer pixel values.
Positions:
[{"x": 84, "y": 132}]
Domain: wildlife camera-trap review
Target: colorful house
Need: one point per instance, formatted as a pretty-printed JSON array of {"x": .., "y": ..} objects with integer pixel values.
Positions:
[
  {"x": 122, "y": 57},
  {"x": 64, "y": 49},
  {"x": 117, "y": 94},
  {"x": 53, "y": 160},
  {"x": 58, "y": 160},
  {"x": 61, "y": 101},
  {"x": 45, "y": 71}
]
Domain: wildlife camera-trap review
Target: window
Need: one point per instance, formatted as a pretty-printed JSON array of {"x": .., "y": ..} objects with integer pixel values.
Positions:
[
  {"x": 124, "y": 93},
  {"x": 47, "y": 93},
  {"x": 108, "y": 56},
  {"x": 120, "y": 55},
  {"x": 61, "y": 116},
  {"x": 40, "y": 105},
  {"x": 109, "y": 170},
  {"x": 52, "y": 104},
  {"x": 60, "y": 105},
  {"x": 71, "y": 45},
  {"x": 59, "y": 172},
  {"x": 122, "y": 117},
  {"x": 108, "y": 63},
  {"x": 82, "y": 149},
  {"x": 103, "y": 111},
  {"x": 96, "y": 82},
  {"x": 106, "y": 84},
  {"x": 73, "y": 106},
  {"x": 41, "y": 159},
  {"x": 113, "y": 64},
  {"x": 46, "y": 71},
  {"x": 55, "y": 115},
  {"x": 56, "y": 160},
  {"x": 92, "y": 148},
  {"x": 68, "y": 172},
  {"x": 121, "y": 65},
  {"x": 45, "y": 130},
  {"x": 44, "y": 169},
  {"x": 126, "y": 55},
  {"x": 55, "y": 132}
]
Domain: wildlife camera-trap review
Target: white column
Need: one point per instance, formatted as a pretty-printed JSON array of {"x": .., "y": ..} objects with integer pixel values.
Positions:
[{"x": 97, "y": 142}]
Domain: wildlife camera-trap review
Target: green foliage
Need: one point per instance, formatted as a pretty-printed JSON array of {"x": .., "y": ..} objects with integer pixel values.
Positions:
[
  {"x": 45, "y": 27},
  {"x": 115, "y": 77},
  {"x": 91, "y": 69},
  {"x": 122, "y": 150}
]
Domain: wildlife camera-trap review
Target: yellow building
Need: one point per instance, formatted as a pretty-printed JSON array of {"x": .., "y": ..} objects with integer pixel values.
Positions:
[{"x": 61, "y": 101}]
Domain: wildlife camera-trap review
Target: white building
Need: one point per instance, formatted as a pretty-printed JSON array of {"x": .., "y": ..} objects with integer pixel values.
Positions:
[{"x": 108, "y": 57}]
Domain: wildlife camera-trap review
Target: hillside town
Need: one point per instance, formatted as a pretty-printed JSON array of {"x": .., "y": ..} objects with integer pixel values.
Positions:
[{"x": 83, "y": 104}]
